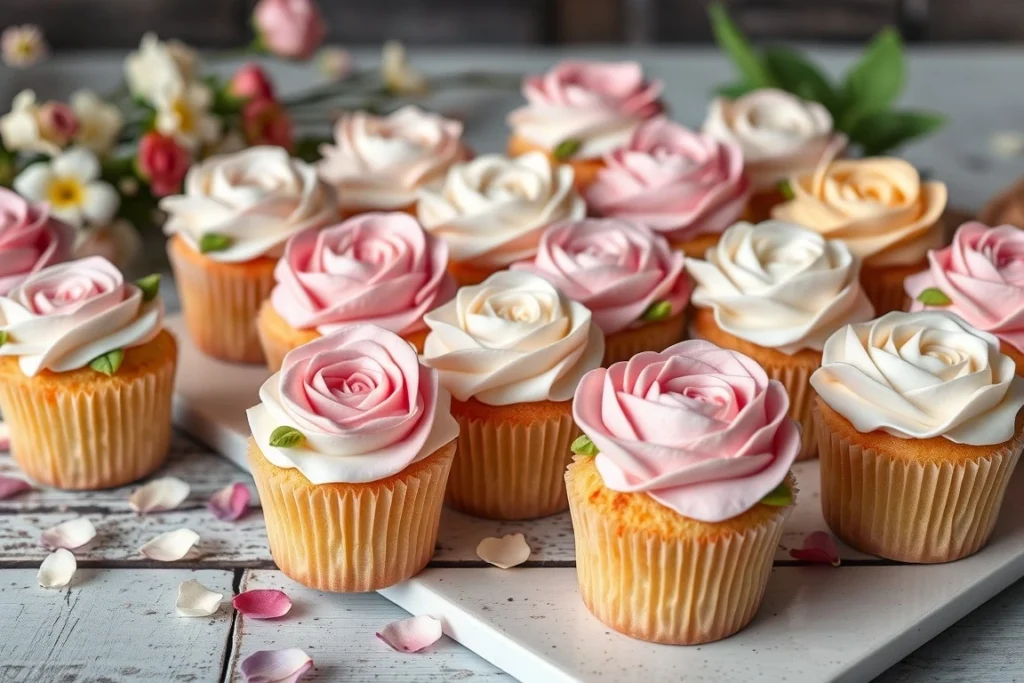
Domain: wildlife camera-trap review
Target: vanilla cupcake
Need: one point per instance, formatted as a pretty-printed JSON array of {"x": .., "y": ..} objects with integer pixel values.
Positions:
[
  {"x": 493, "y": 210},
  {"x": 919, "y": 429},
  {"x": 86, "y": 375},
  {"x": 380, "y": 163},
  {"x": 888, "y": 217},
  {"x": 686, "y": 186},
  {"x": 678, "y": 513},
  {"x": 30, "y": 239},
  {"x": 579, "y": 111},
  {"x": 376, "y": 268},
  {"x": 631, "y": 280},
  {"x": 352, "y": 442},
  {"x": 776, "y": 292},
  {"x": 227, "y": 231},
  {"x": 511, "y": 351}
]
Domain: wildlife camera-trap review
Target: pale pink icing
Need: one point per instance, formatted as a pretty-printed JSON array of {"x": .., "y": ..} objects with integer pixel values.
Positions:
[
  {"x": 700, "y": 429},
  {"x": 677, "y": 182},
  {"x": 615, "y": 268},
  {"x": 379, "y": 268},
  {"x": 982, "y": 273},
  {"x": 30, "y": 239}
]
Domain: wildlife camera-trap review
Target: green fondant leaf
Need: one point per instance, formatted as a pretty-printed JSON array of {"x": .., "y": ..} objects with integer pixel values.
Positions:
[
  {"x": 659, "y": 310},
  {"x": 108, "y": 363},
  {"x": 213, "y": 241},
  {"x": 781, "y": 496},
  {"x": 150, "y": 286},
  {"x": 566, "y": 148},
  {"x": 583, "y": 446},
  {"x": 933, "y": 296},
  {"x": 286, "y": 437},
  {"x": 786, "y": 190}
]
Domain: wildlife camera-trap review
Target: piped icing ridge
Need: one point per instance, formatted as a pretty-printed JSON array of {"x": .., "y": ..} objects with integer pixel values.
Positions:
[{"x": 30, "y": 239}]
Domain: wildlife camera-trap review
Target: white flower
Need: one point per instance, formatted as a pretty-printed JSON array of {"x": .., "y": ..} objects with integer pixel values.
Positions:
[
  {"x": 20, "y": 129},
  {"x": 183, "y": 112},
  {"x": 158, "y": 64},
  {"x": 399, "y": 77},
  {"x": 335, "y": 63},
  {"x": 99, "y": 122},
  {"x": 70, "y": 183},
  {"x": 22, "y": 46}
]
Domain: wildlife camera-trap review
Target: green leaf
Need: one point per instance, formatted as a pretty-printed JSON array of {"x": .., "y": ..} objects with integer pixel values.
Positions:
[
  {"x": 583, "y": 446},
  {"x": 884, "y": 131},
  {"x": 786, "y": 190},
  {"x": 214, "y": 241},
  {"x": 108, "y": 363},
  {"x": 874, "y": 82},
  {"x": 659, "y": 310},
  {"x": 795, "y": 73},
  {"x": 933, "y": 296},
  {"x": 780, "y": 496},
  {"x": 150, "y": 286},
  {"x": 733, "y": 90},
  {"x": 566, "y": 148},
  {"x": 286, "y": 437},
  {"x": 3, "y": 337},
  {"x": 729, "y": 37}
]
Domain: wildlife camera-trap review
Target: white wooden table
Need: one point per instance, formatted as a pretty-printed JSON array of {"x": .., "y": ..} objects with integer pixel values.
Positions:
[{"x": 117, "y": 622}]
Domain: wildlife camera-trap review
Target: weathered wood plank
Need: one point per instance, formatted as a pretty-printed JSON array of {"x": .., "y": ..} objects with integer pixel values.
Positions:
[{"x": 979, "y": 20}]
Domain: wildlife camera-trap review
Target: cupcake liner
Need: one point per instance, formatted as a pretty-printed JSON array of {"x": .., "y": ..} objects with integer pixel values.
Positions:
[
  {"x": 352, "y": 538},
  {"x": 884, "y": 286},
  {"x": 511, "y": 470},
  {"x": 910, "y": 511},
  {"x": 656, "y": 336}
]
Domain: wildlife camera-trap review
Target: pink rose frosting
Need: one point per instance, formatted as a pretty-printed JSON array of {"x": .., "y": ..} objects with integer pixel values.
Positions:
[
  {"x": 379, "y": 268},
  {"x": 364, "y": 405},
  {"x": 677, "y": 182},
  {"x": 615, "y": 268},
  {"x": 700, "y": 429},
  {"x": 982, "y": 274},
  {"x": 30, "y": 239}
]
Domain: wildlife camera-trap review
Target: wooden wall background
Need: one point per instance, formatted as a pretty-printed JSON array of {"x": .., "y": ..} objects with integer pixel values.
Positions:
[{"x": 224, "y": 23}]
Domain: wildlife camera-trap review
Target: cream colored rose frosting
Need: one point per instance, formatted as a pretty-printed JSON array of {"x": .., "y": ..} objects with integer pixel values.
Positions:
[
  {"x": 256, "y": 198},
  {"x": 492, "y": 211},
  {"x": 919, "y": 376},
  {"x": 63, "y": 317},
  {"x": 512, "y": 339},
  {"x": 779, "y": 285}
]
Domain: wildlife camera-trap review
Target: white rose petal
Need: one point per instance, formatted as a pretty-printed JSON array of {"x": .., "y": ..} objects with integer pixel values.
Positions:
[
  {"x": 196, "y": 600},
  {"x": 505, "y": 552},
  {"x": 69, "y": 535},
  {"x": 57, "y": 569},
  {"x": 171, "y": 546},
  {"x": 158, "y": 495}
]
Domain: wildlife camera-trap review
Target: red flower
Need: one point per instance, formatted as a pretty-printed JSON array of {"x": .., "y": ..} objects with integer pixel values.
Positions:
[
  {"x": 162, "y": 162},
  {"x": 251, "y": 82},
  {"x": 57, "y": 123},
  {"x": 265, "y": 122}
]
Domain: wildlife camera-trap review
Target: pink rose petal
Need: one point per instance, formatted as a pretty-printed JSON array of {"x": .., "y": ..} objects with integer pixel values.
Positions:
[
  {"x": 158, "y": 495},
  {"x": 12, "y": 486},
  {"x": 71, "y": 534},
  {"x": 412, "y": 634},
  {"x": 5, "y": 436},
  {"x": 276, "y": 666},
  {"x": 264, "y": 603},
  {"x": 230, "y": 503},
  {"x": 819, "y": 548},
  {"x": 171, "y": 546},
  {"x": 505, "y": 552}
]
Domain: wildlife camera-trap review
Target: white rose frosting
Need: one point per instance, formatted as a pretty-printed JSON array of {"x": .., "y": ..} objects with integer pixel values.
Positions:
[
  {"x": 512, "y": 339},
  {"x": 920, "y": 376},
  {"x": 257, "y": 198},
  {"x": 63, "y": 317},
  {"x": 779, "y": 285},
  {"x": 493, "y": 210}
]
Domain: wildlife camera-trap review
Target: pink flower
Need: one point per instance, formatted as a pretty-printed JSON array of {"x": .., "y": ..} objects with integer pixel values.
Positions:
[
  {"x": 29, "y": 239},
  {"x": 677, "y": 182},
  {"x": 266, "y": 122},
  {"x": 292, "y": 29},
  {"x": 57, "y": 123},
  {"x": 379, "y": 268},
  {"x": 982, "y": 275},
  {"x": 615, "y": 268},
  {"x": 699, "y": 428},
  {"x": 163, "y": 163},
  {"x": 251, "y": 82}
]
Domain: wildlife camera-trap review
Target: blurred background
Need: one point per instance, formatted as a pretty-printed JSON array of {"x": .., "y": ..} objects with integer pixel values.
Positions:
[{"x": 224, "y": 23}]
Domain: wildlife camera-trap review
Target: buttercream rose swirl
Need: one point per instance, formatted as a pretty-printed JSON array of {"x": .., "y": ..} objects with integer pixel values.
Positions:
[{"x": 30, "y": 239}]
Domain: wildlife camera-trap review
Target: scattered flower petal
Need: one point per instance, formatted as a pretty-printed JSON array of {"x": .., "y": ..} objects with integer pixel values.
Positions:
[
  {"x": 158, "y": 495},
  {"x": 5, "y": 436},
  {"x": 505, "y": 552},
  {"x": 230, "y": 503},
  {"x": 1007, "y": 143},
  {"x": 412, "y": 634},
  {"x": 12, "y": 486},
  {"x": 57, "y": 569},
  {"x": 171, "y": 546},
  {"x": 196, "y": 600},
  {"x": 264, "y": 603},
  {"x": 818, "y": 547},
  {"x": 276, "y": 666},
  {"x": 71, "y": 534}
]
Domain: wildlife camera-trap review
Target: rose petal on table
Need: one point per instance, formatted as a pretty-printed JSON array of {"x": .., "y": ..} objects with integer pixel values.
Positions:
[
  {"x": 276, "y": 666},
  {"x": 161, "y": 494},
  {"x": 5, "y": 436},
  {"x": 230, "y": 503},
  {"x": 12, "y": 486},
  {"x": 412, "y": 634},
  {"x": 57, "y": 569},
  {"x": 196, "y": 600},
  {"x": 170, "y": 546},
  {"x": 71, "y": 534},
  {"x": 818, "y": 547},
  {"x": 505, "y": 552},
  {"x": 263, "y": 603}
]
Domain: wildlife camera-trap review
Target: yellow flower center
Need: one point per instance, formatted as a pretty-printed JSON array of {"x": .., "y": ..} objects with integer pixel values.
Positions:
[
  {"x": 65, "y": 193},
  {"x": 186, "y": 117},
  {"x": 25, "y": 47}
]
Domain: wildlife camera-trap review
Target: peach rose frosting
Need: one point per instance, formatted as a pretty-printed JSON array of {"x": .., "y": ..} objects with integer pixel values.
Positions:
[
  {"x": 700, "y": 429},
  {"x": 30, "y": 239}
]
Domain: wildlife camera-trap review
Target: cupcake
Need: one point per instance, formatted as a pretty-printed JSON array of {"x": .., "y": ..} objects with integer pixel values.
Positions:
[
  {"x": 880, "y": 207},
  {"x": 492, "y": 211},
  {"x": 226, "y": 234},
  {"x": 779, "y": 134},
  {"x": 351, "y": 446},
  {"x": 376, "y": 268},
  {"x": 86, "y": 375},
  {"x": 631, "y": 280},
  {"x": 686, "y": 186},
  {"x": 919, "y": 430},
  {"x": 579, "y": 111},
  {"x": 30, "y": 239},
  {"x": 680, "y": 491},
  {"x": 380, "y": 163},
  {"x": 980, "y": 277},
  {"x": 776, "y": 292},
  {"x": 511, "y": 351}
]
